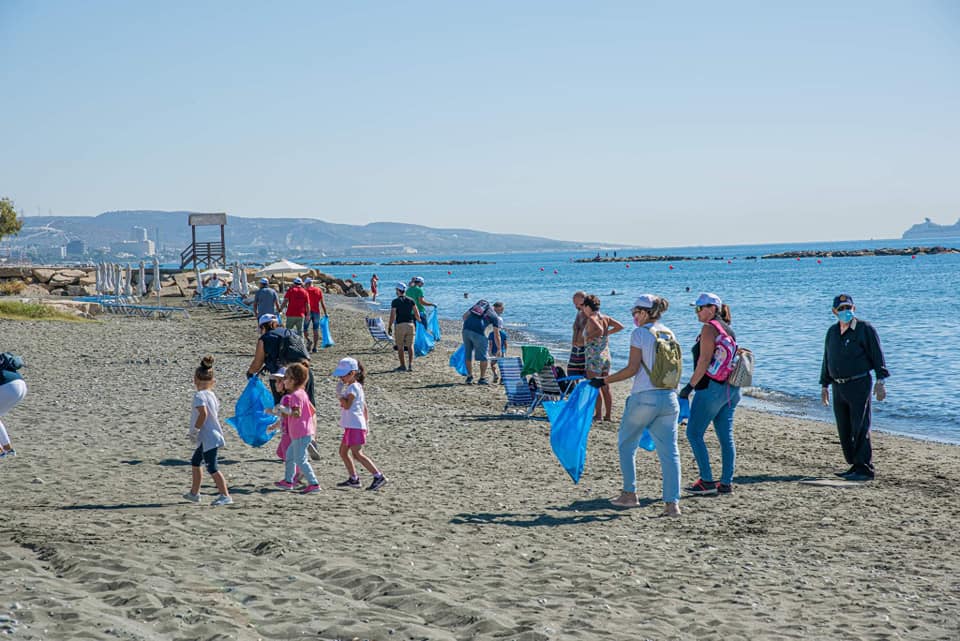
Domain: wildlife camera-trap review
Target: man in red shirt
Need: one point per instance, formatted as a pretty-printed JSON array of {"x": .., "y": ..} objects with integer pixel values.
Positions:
[
  {"x": 315, "y": 294},
  {"x": 297, "y": 303}
]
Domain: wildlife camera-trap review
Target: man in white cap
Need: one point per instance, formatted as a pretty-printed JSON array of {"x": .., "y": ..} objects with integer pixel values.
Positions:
[
  {"x": 315, "y": 295},
  {"x": 415, "y": 292},
  {"x": 266, "y": 300},
  {"x": 403, "y": 318},
  {"x": 297, "y": 303}
]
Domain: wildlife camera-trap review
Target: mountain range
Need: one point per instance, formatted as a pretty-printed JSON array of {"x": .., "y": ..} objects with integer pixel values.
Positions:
[{"x": 292, "y": 235}]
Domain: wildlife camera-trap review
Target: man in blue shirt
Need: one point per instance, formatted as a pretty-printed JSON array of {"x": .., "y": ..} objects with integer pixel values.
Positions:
[{"x": 475, "y": 320}]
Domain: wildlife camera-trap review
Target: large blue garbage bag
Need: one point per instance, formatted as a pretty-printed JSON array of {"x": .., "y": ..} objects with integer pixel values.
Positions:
[
  {"x": 325, "y": 337},
  {"x": 570, "y": 423},
  {"x": 433, "y": 324},
  {"x": 251, "y": 421},
  {"x": 458, "y": 361},
  {"x": 422, "y": 342}
]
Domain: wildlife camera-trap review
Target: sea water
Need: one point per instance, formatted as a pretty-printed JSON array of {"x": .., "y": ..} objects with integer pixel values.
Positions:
[{"x": 780, "y": 308}]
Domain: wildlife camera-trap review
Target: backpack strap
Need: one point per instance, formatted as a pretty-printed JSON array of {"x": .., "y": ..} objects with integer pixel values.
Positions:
[{"x": 655, "y": 339}]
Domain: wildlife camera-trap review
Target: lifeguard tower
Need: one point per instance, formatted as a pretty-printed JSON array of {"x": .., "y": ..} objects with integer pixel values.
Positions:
[{"x": 205, "y": 254}]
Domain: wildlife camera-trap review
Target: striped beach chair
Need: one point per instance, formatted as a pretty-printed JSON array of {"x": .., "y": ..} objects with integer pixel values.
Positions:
[
  {"x": 548, "y": 387},
  {"x": 378, "y": 332},
  {"x": 515, "y": 385}
]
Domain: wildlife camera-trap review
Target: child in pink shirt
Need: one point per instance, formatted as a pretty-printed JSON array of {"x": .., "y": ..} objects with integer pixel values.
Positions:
[{"x": 299, "y": 423}]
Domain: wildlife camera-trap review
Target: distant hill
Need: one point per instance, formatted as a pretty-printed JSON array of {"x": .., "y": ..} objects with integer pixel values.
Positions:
[
  {"x": 291, "y": 235},
  {"x": 930, "y": 229}
]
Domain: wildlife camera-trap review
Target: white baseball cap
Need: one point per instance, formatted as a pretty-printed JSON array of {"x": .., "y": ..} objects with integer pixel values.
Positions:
[
  {"x": 645, "y": 301},
  {"x": 266, "y": 318},
  {"x": 708, "y": 298},
  {"x": 417, "y": 279},
  {"x": 264, "y": 281},
  {"x": 401, "y": 287},
  {"x": 298, "y": 281},
  {"x": 345, "y": 366}
]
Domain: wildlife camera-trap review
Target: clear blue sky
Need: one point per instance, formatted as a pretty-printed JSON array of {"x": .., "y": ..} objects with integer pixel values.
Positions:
[{"x": 653, "y": 123}]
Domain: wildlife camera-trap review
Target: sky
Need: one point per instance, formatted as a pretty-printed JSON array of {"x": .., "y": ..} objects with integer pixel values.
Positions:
[{"x": 638, "y": 123}]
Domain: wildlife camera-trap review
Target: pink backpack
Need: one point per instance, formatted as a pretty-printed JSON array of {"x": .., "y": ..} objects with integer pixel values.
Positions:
[{"x": 724, "y": 351}]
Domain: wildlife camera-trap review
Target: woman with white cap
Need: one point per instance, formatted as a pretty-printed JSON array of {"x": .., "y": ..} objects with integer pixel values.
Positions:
[
  {"x": 650, "y": 406},
  {"x": 714, "y": 399}
]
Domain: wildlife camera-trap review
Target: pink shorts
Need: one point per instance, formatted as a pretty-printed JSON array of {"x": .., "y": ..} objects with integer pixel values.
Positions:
[{"x": 353, "y": 436}]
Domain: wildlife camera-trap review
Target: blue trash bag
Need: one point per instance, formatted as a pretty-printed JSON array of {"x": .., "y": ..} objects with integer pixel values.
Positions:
[
  {"x": 422, "y": 342},
  {"x": 325, "y": 337},
  {"x": 458, "y": 361},
  {"x": 251, "y": 421},
  {"x": 570, "y": 423},
  {"x": 433, "y": 324},
  {"x": 684, "y": 410},
  {"x": 646, "y": 441}
]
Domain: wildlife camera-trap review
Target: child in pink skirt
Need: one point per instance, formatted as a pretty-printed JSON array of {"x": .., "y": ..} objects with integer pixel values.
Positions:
[{"x": 353, "y": 420}]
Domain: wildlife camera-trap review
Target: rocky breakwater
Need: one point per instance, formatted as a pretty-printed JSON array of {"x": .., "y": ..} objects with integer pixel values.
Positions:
[
  {"x": 437, "y": 262},
  {"x": 643, "y": 259},
  {"x": 46, "y": 281},
  {"x": 849, "y": 253}
]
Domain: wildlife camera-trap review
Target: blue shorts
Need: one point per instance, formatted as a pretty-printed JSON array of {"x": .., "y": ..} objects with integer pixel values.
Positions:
[
  {"x": 474, "y": 345},
  {"x": 315, "y": 319}
]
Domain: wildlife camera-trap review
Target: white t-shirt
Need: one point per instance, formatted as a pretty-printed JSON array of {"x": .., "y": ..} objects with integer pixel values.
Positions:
[
  {"x": 210, "y": 434},
  {"x": 642, "y": 339},
  {"x": 352, "y": 417}
]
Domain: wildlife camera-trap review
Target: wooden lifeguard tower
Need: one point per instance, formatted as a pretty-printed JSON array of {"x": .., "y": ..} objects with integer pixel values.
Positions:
[{"x": 205, "y": 254}]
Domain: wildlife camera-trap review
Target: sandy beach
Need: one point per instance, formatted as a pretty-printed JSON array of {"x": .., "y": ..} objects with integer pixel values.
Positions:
[{"x": 479, "y": 534}]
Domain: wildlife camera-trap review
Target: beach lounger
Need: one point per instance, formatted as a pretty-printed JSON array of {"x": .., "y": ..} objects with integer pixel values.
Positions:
[
  {"x": 548, "y": 386},
  {"x": 378, "y": 332},
  {"x": 515, "y": 385}
]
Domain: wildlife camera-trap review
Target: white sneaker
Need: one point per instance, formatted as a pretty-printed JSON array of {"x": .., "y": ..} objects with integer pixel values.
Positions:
[
  {"x": 193, "y": 498},
  {"x": 222, "y": 500}
]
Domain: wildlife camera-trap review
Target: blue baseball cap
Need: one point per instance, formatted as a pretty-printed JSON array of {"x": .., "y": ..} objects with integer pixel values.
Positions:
[
  {"x": 708, "y": 298},
  {"x": 842, "y": 299}
]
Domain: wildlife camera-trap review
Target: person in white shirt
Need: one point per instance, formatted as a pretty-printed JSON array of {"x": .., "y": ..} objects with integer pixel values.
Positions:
[
  {"x": 206, "y": 432},
  {"x": 648, "y": 407}
]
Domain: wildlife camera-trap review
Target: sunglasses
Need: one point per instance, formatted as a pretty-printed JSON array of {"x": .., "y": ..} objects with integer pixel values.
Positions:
[
  {"x": 701, "y": 307},
  {"x": 844, "y": 308}
]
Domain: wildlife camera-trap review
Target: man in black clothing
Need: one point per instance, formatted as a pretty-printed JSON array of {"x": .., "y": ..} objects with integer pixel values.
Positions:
[
  {"x": 403, "y": 316},
  {"x": 851, "y": 350}
]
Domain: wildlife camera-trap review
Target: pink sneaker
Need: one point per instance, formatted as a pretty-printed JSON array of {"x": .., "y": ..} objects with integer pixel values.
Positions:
[
  {"x": 310, "y": 489},
  {"x": 285, "y": 485}
]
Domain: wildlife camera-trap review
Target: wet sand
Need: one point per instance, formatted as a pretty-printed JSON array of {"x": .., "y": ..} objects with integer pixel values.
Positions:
[{"x": 478, "y": 535}]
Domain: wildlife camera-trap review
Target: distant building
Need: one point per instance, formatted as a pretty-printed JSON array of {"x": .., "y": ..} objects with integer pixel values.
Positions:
[
  {"x": 138, "y": 234},
  {"x": 133, "y": 247},
  {"x": 76, "y": 248}
]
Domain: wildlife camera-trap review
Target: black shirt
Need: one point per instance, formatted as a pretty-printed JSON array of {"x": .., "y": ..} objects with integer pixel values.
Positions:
[
  {"x": 855, "y": 352},
  {"x": 705, "y": 380},
  {"x": 404, "y": 307}
]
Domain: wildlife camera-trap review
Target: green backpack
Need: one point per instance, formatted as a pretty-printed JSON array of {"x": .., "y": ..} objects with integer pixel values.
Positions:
[{"x": 667, "y": 361}]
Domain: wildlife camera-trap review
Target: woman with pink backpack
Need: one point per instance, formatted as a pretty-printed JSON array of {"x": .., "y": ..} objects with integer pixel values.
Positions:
[{"x": 714, "y": 399}]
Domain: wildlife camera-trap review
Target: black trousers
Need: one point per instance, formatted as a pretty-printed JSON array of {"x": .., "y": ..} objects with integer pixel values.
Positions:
[{"x": 851, "y": 407}]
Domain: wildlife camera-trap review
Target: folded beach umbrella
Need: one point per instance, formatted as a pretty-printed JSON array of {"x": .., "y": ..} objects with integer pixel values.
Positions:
[
  {"x": 142, "y": 283},
  {"x": 570, "y": 422},
  {"x": 156, "y": 278},
  {"x": 458, "y": 361},
  {"x": 117, "y": 280},
  {"x": 244, "y": 285},
  {"x": 251, "y": 420},
  {"x": 128, "y": 284},
  {"x": 98, "y": 282}
]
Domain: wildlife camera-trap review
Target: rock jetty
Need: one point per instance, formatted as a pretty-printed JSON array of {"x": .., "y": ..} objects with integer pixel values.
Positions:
[
  {"x": 848, "y": 253},
  {"x": 644, "y": 259},
  {"x": 438, "y": 262}
]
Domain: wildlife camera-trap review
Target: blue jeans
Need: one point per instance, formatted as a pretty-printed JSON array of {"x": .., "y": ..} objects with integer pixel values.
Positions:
[
  {"x": 656, "y": 410},
  {"x": 716, "y": 403},
  {"x": 297, "y": 457}
]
